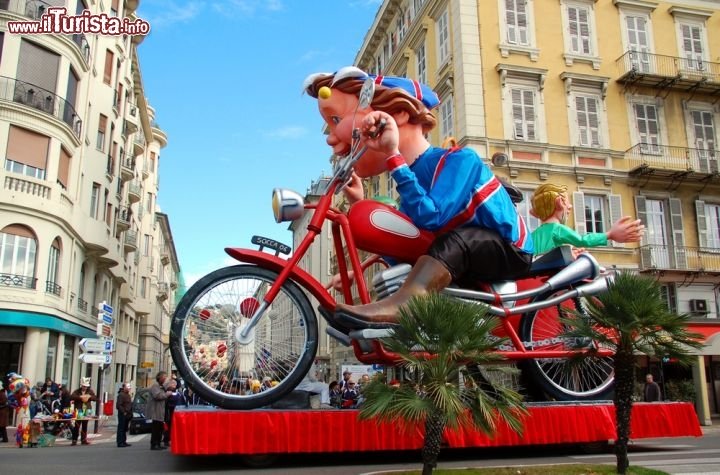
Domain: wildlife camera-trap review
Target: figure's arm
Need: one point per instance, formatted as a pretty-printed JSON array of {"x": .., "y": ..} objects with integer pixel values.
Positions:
[
  {"x": 626, "y": 229},
  {"x": 449, "y": 195},
  {"x": 566, "y": 235}
]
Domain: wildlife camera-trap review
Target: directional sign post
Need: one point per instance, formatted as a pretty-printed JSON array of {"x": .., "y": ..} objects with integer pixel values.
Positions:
[
  {"x": 95, "y": 358},
  {"x": 105, "y": 318},
  {"x": 96, "y": 345}
]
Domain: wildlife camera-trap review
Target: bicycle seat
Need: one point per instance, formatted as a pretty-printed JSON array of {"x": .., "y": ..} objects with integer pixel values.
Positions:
[{"x": 552, "y": 260}]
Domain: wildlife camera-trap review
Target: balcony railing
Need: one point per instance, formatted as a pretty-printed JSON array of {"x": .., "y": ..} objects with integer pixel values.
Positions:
[
  {"x": 14, "y": 280},
  {"x": 82, "y": 305},
  {"x": 123, "y": 218},
  {"x": 81, "y": 41},
  {"x": 133, "y": 192},
  {"x": 36, "y": 97},
  {"x": 656, "y": 70},
  {"x": 666, "y": 157},
  {"x": 164, "y": 255},
  {"x": 53, "y": 288},
  {"x": 680, "y": 258},
  {"x": 130, "y": 241},
  {"x": 162, "y": 292}
]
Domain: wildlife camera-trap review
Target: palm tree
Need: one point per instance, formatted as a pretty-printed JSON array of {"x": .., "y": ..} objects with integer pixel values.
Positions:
[
  {"x": 631, "y": 318},
  {"x": 437, "y": 340}
]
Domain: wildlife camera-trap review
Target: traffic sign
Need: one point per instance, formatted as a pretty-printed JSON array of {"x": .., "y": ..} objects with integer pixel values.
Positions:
[
  {"x": 96, "y": 344},
  {"x": 147, "y": 364},
  {"x": 96, "y": 358},
  {"x": 104, "y": 307},
  {"x": 106, "y": 318},
  {"x": 103, "y": 330}
]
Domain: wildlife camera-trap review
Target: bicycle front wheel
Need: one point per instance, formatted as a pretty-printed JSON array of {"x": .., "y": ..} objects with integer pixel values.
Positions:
[{"x": 243, "y": 372}]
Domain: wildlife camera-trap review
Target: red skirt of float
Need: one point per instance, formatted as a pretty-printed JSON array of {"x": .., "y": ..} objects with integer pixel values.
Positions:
[{"x": 200, "y": 431}]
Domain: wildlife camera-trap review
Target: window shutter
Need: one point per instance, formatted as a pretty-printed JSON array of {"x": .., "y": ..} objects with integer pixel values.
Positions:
[
  {"x": 510, "y": 21},
  {"x": 676, "y": 225},
  {"x": 64, "y": 168},
  {"x": 593, "y": 121},
  {"x": 109, "y": 59},
  {"x": 615, "y": 214},
  {"x": 517, "y": 110},
  {"x": 581, "y": 114},
  {"x": 522, "y": 23},
  {"x": 701, "y": 223},
  {"x": 529, "y": 113},
  {"x": 573, "y": 29},
  {"x": 27, "y": 147},
  {"x": 584, "y": 26},
  {"x": 645, "y": 252},
  {"x": 579, "y": 212}
]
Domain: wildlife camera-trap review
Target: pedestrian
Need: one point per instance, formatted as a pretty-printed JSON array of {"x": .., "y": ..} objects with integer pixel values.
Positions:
[
  {"x": 4, "y": 414},
  {"x": 155, "y": 410},
  {"x": 651, "y": 393},
  {"x": 64, "y": 397},
  {"x": 125, "y": 414},
  {"x": 81, "y": 399},
  {"x": 171, "y": 403}
]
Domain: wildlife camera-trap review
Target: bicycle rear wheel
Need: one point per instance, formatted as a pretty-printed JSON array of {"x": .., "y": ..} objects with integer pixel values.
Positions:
[
  {"x": 225, "y": 371},
  {"x": 563, "y": 379}
]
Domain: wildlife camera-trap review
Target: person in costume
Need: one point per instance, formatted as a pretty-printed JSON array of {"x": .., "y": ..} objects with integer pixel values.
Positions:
[
  {"x": 450, "y": 192},
  {"x": 551, "y": 205},
  {"x": 20, "y": 389}
]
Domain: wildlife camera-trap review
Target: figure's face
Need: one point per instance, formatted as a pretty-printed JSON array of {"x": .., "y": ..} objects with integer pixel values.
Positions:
[
  {"x": 563, "y": 207},
  {"x": 338, "y": 111}
]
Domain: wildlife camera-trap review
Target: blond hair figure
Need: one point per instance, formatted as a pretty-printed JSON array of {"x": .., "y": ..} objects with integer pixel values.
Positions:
[{"x": 551, "y": 205}]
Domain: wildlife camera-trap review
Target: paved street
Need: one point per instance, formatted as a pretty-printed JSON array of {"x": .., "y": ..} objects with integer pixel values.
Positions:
[{"x": 677, "y": 456}]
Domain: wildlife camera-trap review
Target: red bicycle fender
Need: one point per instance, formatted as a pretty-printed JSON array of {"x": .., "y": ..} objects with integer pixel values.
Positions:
[{"x": 277, "y": 264}]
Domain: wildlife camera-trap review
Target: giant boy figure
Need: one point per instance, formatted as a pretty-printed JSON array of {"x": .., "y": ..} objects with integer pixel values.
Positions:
[{"x": 478, "y": 232}]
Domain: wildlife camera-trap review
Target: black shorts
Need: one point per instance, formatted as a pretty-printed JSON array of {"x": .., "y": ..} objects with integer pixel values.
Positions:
[{"x": 474, "y": 254}]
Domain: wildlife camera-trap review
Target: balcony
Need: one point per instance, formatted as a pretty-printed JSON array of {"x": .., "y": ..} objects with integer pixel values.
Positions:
[
  {"x": 131, "y": 118},
  {"x": 669, "y": 72},
  {"x": 22, "y": 281},
  {"x": 134, "y": 192},
  {"x": 53, "y": 288},
  {"x": 82, "y": 305},
  {"x": 676, "y": 163},
  {"x": 80, "y": 40},
  {"x": 162, "y": 292},
  {"x": 173, "y": 284},
  {"x": 124, "y": 215},
  {"x": 145, "y": 169},
  {"x": 164, "y": 255},
  {"x": 138, "y": 143},
  {"x": 130, "y": 241},
  {"x": 110, "y": 167},
  {"x": 655, "y": 257},
  {"x": 127, "y": 167},
  {"x": 21, "y": 92}
]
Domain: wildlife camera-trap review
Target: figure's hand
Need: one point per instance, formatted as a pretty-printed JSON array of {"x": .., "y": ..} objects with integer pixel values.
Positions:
[
  {"x": 626, "y": 229},
  {"x": 336, "y": 281},
  {"x": 354, "y": 190},
  {"x": 380, "y": 132},
  {"x": 85, "y": 397},
  {"x": 576, "y": 251}
]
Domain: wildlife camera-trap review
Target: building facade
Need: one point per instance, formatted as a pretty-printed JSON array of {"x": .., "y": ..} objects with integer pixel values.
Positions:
[
  {"x": 618, "y": 100},
  {"x": 79, "y": 223}
]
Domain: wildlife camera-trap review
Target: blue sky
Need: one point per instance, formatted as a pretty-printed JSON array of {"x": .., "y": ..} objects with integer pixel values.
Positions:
[{"x": 225, "y": 78}]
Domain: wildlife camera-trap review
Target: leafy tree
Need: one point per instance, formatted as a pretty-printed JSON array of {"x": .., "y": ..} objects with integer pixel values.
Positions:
[
  {"x": 438, "y": 339},
  {"x": 631, "y": 318}
]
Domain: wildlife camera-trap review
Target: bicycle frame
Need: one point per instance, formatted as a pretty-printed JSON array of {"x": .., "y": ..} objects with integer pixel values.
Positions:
[{"x": 288, "y": 269}]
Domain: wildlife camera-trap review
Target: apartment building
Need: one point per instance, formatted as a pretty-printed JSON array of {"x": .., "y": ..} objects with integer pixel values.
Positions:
[
  {"x": 617, "y": 99},
  {"x": 79, "y": 222}
]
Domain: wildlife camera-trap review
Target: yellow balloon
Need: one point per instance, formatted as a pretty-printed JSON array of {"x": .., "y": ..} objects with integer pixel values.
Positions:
[{"x": 324, "y": 92}]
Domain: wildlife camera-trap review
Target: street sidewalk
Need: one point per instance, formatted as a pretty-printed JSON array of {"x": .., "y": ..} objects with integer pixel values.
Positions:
[{"x": 107, "y": 428}]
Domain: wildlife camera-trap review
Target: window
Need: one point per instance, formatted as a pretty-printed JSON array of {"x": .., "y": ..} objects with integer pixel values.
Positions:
[
  {"x": 51, "y": 356},
  {"x": 114, "y": 7},
  {"x": 712, "y": 214},
  {"x": 17, "y": 253},
  {"x": 446, "y": 117},
  {"x": 109, "y": 62},
  {"x": 147, "y": 245},
  {"x": 663, "y": 244},
  {"x": 648, "y": 127},
  {"x": 587, "y": 120},
  {"x": 595, "y": 214},
  {"x": 443, "y": 38},
  {"x": 108, "y": 209},
  {"x": 516, "y": 22},
  {"x": 523, "y": 209},
  {"x": 420, "y": 63},
  {"x": 37, "y": 68},
  {"x": 63, "y": 168},
  {"x": 703, "y": 136},
  {"x": 637, "y": 34},
  {"x": 149, "y": 202},
  {"x": 26, "y": 152},
  {"x": 692, "y": 46},
  {"x": 523, "y": 114},
  {"x": 54, "y": 261},
  {"x": 2, "y": 38},
  {"x": 102, "y": 127},
  {"x": 580, "y": 41},
  {"x": 143, "y": 287},
  {"x": 94, "y": 200}
]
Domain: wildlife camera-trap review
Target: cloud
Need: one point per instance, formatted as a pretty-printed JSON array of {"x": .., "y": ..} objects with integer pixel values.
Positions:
[
  {"x": 287, "y": 132},
  {"x": 165, "y": 13},
  {"x": 247, "y": 8}
]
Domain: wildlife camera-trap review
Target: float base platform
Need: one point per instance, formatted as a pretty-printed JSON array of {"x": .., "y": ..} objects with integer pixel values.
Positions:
[{"x": 208, "y": 431}]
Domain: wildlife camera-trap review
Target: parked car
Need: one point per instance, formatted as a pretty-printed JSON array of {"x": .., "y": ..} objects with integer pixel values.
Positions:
[{"x": 139, "y": 424}]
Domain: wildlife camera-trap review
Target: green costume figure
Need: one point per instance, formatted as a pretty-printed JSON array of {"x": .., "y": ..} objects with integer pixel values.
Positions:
[{"x": 551, "y": 205}]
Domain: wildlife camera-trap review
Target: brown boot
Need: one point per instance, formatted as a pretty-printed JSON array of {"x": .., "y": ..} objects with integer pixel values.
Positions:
[{"x": 427, "y": 275}]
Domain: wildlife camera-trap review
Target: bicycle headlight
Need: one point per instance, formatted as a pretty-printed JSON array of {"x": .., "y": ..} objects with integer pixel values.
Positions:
[{"x": 287, "y": 205}]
